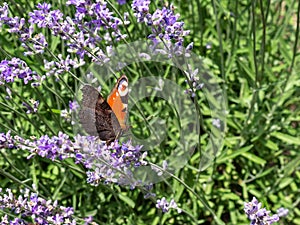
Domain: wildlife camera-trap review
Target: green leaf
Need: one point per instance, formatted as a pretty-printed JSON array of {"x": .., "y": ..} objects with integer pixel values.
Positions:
[
  {"x": 286, "y": 138},
  {"x": 234, "y": 154},
  {"x": 127, "y": 200},
  {"x": 292, "y": 166},
  {"x": 285, "y": 182},
  {"x": 271, "y": 145},
  {"x": 254, "y": 158},
  {"x": 56, "y": 111}
]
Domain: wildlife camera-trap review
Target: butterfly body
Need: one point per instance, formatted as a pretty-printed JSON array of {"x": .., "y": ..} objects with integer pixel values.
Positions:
[{"x": 105, "y": 118}]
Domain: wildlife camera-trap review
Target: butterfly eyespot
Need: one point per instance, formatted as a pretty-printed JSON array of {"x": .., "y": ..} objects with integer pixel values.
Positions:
[{"x": 122, "y": 88}]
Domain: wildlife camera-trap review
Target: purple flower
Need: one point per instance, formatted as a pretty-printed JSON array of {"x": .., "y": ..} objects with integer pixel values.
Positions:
[
  {"x": 7, "y": 141},
  {"x": 148, "y": 188},
  {"x": 91, "y": 19},
  {"x": 258, "y": 215},
  {"x": 216, "y": 122},
  {"x": 15, "y": 69},
  {"x": 73, "y": 105},
  {"x": 33, "y": 207},
  {"x": 75, "y": 2},
  {"x": 45, "y": 7},
  {"x": 67, "y": 113},
  {"x": 38, "y": 46},
  {"x": 44, "y": 17},
  {"x": 121, "y": 2},
  {"x": 57, "y": 147},
  {"x": 4, "y": 220},
  {"x": 193, "y": 81},
  {"x": 282, "y": 212},
  {"x": 3, "y": 13},
  {"x": 113, "y": 163},
  {"x": 164, "y": 25},
  {"x": 60, "y": 66},
  {"x": 141, "y": 10},
  {"x": 164, "y": 205},
  {"x": 17, "y": 25},
  {"x": 82, "y": 36},
  {"x": 88, "y": 220},
  {"x": 33, "y": 107}
]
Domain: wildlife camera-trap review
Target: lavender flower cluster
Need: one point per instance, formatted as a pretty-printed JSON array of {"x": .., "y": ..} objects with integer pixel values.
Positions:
[
  {"x": 13, "y": 69},
  {"x": 165, "y": 206},
  {"x": 67, "y": 113},
  {"x": 111, "y": 163},
  {"x": 32, "y": 107},
  {"x": 282, "y": 212},
  {"x": 164, "y": 24},
  {"x": 93, "y": 23},
  {"x": 194, "y": 82},
  {"x": 258, "y": 215},
  {"x": 168, "y": 31},
  {"x": 7, "y": 140},
  {"x": 33, "y": 44},
  {"x": 32, "y": 207}
]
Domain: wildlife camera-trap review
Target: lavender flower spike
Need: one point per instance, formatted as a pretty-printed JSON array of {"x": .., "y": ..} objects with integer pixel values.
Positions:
[
  {"x": 282, "y": 212},
  {"x": 164, "y": 205},
  {"x": 258, "y": 215},
  {"x": 13, "y": 69},
  {"x": 111, "y": 164},
  {"x": 33, "y": 207}
]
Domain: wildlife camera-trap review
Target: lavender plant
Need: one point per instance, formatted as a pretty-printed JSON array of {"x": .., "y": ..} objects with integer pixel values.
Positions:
[{"x": 93, "y": 26}]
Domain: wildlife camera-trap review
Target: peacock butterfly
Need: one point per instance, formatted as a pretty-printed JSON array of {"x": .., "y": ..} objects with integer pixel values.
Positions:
[{"x": 105, "y": 118}]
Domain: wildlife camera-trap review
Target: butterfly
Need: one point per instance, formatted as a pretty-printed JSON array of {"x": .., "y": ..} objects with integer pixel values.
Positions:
[{"x": 105, "y": 118}]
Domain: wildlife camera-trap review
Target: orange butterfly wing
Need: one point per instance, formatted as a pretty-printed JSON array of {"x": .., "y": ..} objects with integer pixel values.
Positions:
[{"x": 118, "y": 100}]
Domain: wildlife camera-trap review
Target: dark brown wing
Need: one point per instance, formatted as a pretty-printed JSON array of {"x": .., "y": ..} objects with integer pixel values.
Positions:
[
  {"x": 107, "y": 124},
  {"x": 97, "y": 117},
  {"x": 87, "y": 112}
]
